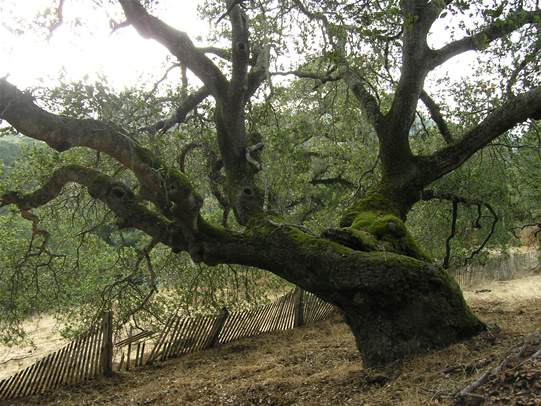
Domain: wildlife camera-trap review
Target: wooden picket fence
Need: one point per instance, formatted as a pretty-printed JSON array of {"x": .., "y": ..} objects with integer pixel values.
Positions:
[
  {"x": 183, "y": 335},
  {"x": 88, "y": 356},
  {"x": 91, "y": 354}
]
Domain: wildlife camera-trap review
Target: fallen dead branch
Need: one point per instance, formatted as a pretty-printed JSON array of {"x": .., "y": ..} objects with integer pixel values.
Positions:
[{"x": 515, "y": 359}]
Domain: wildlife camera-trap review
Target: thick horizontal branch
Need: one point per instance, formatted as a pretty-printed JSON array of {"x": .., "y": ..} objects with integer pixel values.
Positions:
[
  {"x": 167, "y": 188},
  {"x": 117, "y": 196},
  {"x": 502, "y": 119},
  {"x": 366, "y": 286},
  {"x": 490, "y": 33},
  {"x": 219, "y": 52},
  {"x": 333, "y": 181}
]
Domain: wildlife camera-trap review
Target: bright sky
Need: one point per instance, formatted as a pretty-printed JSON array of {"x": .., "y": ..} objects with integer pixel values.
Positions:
[
  {"x": 84, "y": 50},
  {"x": 91, "y": 47}
]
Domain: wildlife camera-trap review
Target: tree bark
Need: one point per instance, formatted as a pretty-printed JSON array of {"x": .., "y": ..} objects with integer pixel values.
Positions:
[{"x": 395, "y": 305}]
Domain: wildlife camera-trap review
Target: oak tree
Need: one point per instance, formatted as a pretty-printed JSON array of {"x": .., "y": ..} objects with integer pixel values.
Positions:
[{"x": 381, "y": 58}]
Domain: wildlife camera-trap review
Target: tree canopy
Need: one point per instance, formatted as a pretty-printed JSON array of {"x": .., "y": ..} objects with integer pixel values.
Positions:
[{"x": 298, "y": 142}]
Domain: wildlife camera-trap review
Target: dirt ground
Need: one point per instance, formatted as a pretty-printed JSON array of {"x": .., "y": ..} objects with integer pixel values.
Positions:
[{"x": 319, "y": 365}]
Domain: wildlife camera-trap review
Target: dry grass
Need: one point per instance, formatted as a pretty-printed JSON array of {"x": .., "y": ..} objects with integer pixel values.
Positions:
[
  {"x": 319, "y": 365},
  {"x": 43, "y": 338}
]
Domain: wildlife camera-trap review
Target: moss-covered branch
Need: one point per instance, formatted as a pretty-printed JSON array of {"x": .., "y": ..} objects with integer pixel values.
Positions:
[
  {"x": 117, "y": 196},
  {"x": 168, "y": 188},
  {"x": 395, "y": 304}
]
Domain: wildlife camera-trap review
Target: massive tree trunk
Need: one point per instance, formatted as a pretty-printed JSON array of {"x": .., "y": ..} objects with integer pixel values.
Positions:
[{"x": 395, "y": 304}]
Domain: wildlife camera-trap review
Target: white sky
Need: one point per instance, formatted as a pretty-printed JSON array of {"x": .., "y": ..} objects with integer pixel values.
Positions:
[
  {"x": 91, "y": 47},
  {"x": 87, "y": 49}
]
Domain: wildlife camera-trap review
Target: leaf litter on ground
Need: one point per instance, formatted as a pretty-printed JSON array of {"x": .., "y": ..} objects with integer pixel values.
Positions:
[{"x": 320, "y": 365}]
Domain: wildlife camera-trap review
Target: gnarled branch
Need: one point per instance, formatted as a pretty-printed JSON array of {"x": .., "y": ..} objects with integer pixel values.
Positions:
[
  {"x": 117, "y": 196},
  {"x": 167, "y": 188}
]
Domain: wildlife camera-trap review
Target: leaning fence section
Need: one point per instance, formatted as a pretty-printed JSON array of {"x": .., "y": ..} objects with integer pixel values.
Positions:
[
  {"x": 84, "y": 358},
  {"x": 92, "y": 353},
  {"x": 499, "y": 267},
  {"x": 183, "y": 335}
]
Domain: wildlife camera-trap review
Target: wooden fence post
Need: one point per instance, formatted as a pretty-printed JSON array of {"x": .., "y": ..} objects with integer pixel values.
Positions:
[
  {"x": 298, "y": 307},
  {"x": 217, "y": 328},
  {"x": 106, "y": 359}
]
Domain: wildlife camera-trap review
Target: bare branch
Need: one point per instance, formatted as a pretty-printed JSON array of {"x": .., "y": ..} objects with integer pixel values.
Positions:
[
  {"x": 435, "y": 114},
  {"x": 178, "y": 43}
]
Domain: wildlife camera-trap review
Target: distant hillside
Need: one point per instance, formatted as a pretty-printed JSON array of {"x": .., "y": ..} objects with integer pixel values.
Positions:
[{"x": 11, "y": 148}]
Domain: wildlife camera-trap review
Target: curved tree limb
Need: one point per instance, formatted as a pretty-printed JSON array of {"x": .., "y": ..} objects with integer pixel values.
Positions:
[
  {"x": 488, "y": 34},
  {"x": 219, "y": 52},
  {"x": 500, "y": 120},
  {"x": 179, "y": 116},
  {"x": 167, "y": 188},
  {"x": 359, "y": 280},
  {"x": 117, "y": 196}
]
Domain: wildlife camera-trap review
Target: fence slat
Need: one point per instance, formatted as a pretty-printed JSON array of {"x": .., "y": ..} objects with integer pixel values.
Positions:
[
  {"x": 21, "y": 384},
  {"x": 129, "y": 349},
  {"x": 96, "y": 352},
  {"x": 217, "y": 327},
  {"x": 4, "y": 387},
  {"x": 57, "y": 377},
  {"x": 182, "y": 338},
  {"x": 55, "y": 357},
  {"x": 161, "y": 338},
  {"x": 174, "y": 335}
]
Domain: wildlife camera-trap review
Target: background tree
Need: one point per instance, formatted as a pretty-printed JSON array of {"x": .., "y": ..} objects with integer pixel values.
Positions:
[{"x": 363, "y": 67}]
